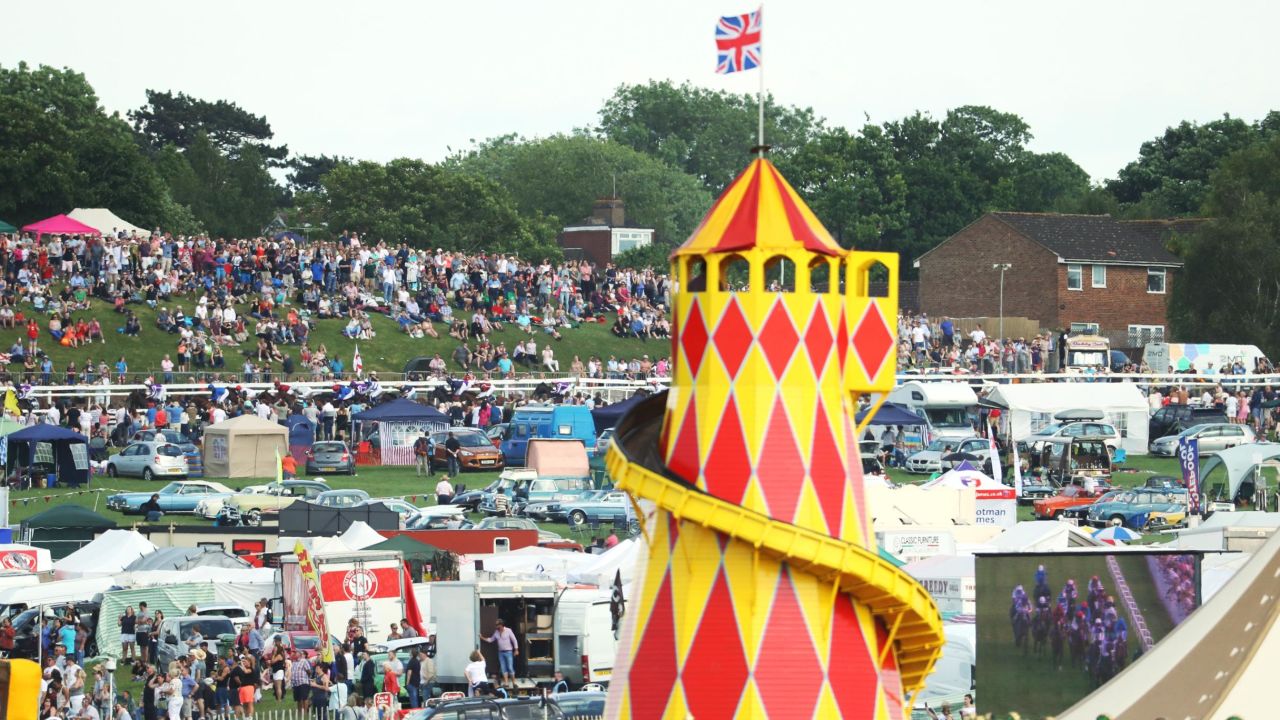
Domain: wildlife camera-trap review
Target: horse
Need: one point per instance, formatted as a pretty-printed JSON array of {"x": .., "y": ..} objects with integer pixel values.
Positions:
[
  {"x": 1040, "y": 629},
  {"x": 1104, "y": 668},
  {"x": 1120, "y": 652},
  {"x": 1058, "y": 636},
  {"x": 1078, "y": 641},
  {"x": 1021, "y": 626}
]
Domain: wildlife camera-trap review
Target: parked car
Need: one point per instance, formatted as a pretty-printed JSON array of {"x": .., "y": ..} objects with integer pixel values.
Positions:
[
  {"x": 341, "y": 498},
  {"x": 228, "y": 610},
  {"x": 581, "y": 703},
  {"x": 435, "y": 517},
  {"x": 27, "y": 630},
  {"x": 514, "y": 523},
  {"x": 189, "y": 448},
  {"x": 149, "y": 459},
  {"x": 330, "y": 456},
  {"x": 1133, "y": 507},
  {"x": 1173, "y": 419},
  {"x": 598, "y": 507},
  {"x": 470, "y": 499},
  {"x": 490, "y": 709},
  {"x": 1107, "y": 431},
  {"x": 507, "y": 482},
  {"x": 175, "y": 633},
  {"x": 176, "y": 497},
  {"x": 536, "y": 490},
  {"x": 1071, "y": 496},
  {"x": 400, "y": 506},
  {"x": 304, "y": 641},
  {"x": 267, "y": 501},
  {"x": 495, "y": 433},
  {"x": 929, "y": 460},
  {"x": 1213, "y": 437},
  {"x": 602, "y": 441},
  {"x": 477, "y": 451}
]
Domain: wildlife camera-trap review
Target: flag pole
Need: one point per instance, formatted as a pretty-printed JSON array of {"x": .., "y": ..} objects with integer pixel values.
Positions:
[{"x": 760, "y": 93}]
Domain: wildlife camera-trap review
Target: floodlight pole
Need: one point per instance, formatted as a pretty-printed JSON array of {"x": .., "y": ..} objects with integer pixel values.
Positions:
[{"x": 1001, "y": 267}]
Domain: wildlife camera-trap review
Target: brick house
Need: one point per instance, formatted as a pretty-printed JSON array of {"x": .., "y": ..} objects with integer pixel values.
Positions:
[
  {"x": 1063, "y": 269},
  {"x": 605, "y": 234}
]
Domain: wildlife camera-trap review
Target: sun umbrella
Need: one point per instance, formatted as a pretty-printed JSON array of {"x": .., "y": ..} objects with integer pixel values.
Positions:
[
  {"x": 959, "y": 457},
  {"x": 1116, "y": 534}
]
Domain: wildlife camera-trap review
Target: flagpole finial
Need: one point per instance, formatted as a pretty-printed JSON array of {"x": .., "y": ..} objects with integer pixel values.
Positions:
[{"x": 760, "y": 150}]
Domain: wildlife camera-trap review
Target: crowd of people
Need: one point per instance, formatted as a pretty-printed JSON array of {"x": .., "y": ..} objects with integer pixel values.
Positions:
[{"x": 216, "y": 294}]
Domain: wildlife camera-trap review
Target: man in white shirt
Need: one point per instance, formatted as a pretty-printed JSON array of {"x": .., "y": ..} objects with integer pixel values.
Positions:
[{"x": 978, "y": 336}]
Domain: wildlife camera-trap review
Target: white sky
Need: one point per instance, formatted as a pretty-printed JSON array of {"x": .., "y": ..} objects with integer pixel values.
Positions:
[{"x": 378, "y": 80}]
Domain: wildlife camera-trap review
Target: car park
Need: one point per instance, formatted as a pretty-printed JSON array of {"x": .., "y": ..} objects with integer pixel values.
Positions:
[
  {"x": 1133, "y": 507},
  {"x": 330, "y": 456},
  {"x": 177, "y": 497},
  {"x": 1211, "y": 438},
  {"x": 476, "y": 452},
  {"x": 1075, "y": 495},
  {"x": 148, "y": 459}
]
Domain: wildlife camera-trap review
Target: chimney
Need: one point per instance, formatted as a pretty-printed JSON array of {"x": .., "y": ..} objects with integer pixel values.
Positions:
[{"x": 610, "y": 211}]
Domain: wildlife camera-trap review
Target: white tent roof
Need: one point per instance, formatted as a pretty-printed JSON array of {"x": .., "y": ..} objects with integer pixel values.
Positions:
[
  {"x": 109, "y": 553},
  {"x": 553, "y": 564},
  {"x": 1043, "y": 536},
  {"x": 1219, "y": 663},
  {"x": 1054, "y": 397},
  {"x": 1239, "y": 461},
  {"x": 604, "y": 567},
  {"x": 360, "y": 536},
  {"x": 106, "y": 222},
  {"x": 962, "y": 479},
  {"x": 20, "y": 554},
  {"x": 941, "y": 566}
]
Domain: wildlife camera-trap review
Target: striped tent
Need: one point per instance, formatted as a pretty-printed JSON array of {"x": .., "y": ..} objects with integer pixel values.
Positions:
[{"x": 761, "y": 210}]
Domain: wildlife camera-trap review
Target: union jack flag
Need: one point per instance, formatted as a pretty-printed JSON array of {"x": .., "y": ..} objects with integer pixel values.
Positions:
[{"x": 738, "y": 43}]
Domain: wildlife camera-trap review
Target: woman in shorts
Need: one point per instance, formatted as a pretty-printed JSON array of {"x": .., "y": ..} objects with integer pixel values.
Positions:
[
  {"x": 244, "y": 683},
  {"x": 278, "y": 661},
  {"x": 128, "y": 623}
]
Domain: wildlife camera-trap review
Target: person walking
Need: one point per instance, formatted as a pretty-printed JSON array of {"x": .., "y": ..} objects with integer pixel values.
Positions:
[
  {"x": 300, "y": 681},
  {"x": 508, "y": 649},
  {"x": 423, "y": 450}
]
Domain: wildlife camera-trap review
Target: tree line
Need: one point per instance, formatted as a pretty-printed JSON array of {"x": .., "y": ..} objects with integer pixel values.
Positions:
[{"x": 193, "y": 165}]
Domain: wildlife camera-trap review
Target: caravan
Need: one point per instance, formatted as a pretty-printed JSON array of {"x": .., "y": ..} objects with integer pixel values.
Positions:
[{"x": 947, "y": 407}]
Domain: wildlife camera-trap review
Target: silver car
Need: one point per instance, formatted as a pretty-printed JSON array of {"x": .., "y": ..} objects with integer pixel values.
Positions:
[
  {"x": 149, "y": 460},
  {"x": 341, "y": 498},
  {"x": 1213, "y": 437}
]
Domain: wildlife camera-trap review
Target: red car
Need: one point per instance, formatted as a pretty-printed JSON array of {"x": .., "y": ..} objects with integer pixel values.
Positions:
[
  {"x": 1071, "y": 496},
  {"x": 304, "y": 641}
]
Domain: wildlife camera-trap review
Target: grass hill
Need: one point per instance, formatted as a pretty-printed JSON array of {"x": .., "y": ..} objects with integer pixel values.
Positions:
[{"x": 386, "y": 353}]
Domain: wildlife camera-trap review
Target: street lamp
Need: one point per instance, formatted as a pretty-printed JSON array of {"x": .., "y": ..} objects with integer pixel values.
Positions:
[{"x": 1001, "y": 267}]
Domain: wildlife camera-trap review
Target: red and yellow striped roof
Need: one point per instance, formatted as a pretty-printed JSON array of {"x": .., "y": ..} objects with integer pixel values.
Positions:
[{"x": 759, "y": 209}]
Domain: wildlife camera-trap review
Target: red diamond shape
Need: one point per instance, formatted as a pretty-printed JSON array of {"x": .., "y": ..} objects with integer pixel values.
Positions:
[
  {"x": 852, "y": 670},
  {"x": 842, "y": 338},
  {"x": 780, "y": 472},
  {"x": 890, "y": 677},
  {"x": 653, "y": 671},
  {"x": 817, "y": 340},
  {"x": 872, "y": 341},
  {"x": 728, "y": 463},
  {"x": 788, "y": 672},
  {"x": 693, "y": 338},
  {"x": 778, "y": 338},
  {"x": 827, "y": 471},
  {"x": 732, "y": 338},
  {"x": 683, "y": 458},
  {"x": 675, "y": 340},
  {"x": 858, "y": 487},
  {"x": 716, "y": 666}
]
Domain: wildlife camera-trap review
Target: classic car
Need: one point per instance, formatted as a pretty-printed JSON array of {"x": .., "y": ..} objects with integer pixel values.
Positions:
[
  {"x": 1070, "y": 497},
  {"x": 268, "y": 501},
  {"x": 599, "y": 507},
  {"x": 1133, "y": 507},
  {"x": 341, "y": 498},
  {"x": 176, "y": 497},
  {"x": 510, "y": 523}
]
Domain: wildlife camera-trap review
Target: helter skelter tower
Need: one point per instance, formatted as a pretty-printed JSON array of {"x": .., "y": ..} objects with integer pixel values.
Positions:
[{"x": 762, "y": 594}]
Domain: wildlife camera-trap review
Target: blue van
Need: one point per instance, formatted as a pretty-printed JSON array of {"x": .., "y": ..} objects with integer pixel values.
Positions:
[{"x": 560, "y": 422}]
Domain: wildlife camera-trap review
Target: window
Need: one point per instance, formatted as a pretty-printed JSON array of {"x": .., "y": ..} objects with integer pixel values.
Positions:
[
  {"x": 1155, "y": 280},
  {"x": 1075, "y": 277},
  {"x": 1099, "y": 276},
  {"x": 1140, "y": 335}
]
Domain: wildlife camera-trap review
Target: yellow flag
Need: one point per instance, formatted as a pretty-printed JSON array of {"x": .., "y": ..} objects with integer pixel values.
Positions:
[
  {"x": 11, "y": 403},
  {"x": 316, "y": 618},
  {"x": 279, "y": 466}
]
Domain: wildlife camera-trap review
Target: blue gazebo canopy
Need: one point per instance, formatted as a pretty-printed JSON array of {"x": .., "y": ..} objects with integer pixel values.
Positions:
[
  {"x": 22, "y": 451},
  {"x": 892, "y": 414}
]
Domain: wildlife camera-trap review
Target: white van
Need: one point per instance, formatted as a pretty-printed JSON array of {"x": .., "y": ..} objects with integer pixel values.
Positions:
[{"x": 945, "y": 406}]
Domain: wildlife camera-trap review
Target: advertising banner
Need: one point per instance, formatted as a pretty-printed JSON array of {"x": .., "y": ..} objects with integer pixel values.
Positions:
[
  {"x": 996, "y": 506},
  {"x": 315, "y": 601},
  {"x": 1189, "y": 460}
]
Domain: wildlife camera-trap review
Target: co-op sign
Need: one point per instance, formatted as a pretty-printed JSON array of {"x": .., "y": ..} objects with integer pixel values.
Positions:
[{"x": 996, "y": 506}]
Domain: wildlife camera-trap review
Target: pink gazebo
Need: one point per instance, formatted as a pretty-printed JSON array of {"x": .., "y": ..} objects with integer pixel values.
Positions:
[{"x": 60, "y": 225}]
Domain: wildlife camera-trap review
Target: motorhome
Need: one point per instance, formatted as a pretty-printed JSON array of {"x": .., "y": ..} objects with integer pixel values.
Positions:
[
  {"x": 946, "y": 407},
  {"x": 570, "y": 629}
]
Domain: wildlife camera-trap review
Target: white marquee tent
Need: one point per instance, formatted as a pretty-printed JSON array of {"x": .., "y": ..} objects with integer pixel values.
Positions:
[
  {"x": 106, "y": 222},
  {"x": 1031, "y": 406},
  {"x": 109, "y": 553}
]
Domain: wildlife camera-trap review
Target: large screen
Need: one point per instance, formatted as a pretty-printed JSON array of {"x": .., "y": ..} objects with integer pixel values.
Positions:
[{"x": 1053, "y": 627}]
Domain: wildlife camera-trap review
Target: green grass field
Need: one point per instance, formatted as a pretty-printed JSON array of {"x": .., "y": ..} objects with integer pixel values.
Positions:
[
  {"x": 1010, "y": 680},
  {"x": 387, "y": 352}
]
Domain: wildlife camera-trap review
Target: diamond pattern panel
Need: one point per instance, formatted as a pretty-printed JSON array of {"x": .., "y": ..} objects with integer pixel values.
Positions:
[
  {"x": 842, "y": 337},
  {"x": 653, "y": 671},
  {"x": 733, "y": 338},
  {"x": 851, "y": 669},
  {"x": 683, "y": 457},
  {"x": 788, "y": 672},
  {"x": 693, "y": 338},
  {"x": 827, "y": 472},
  {"x": 728, "y": 462},
  {"x": 781, "y": 469},
  {"x": 818, "y": 339},
  {"x": 716, "y": 668},
  {"x": 778, "y": 338},
  {"x": 872, "y": 340}
]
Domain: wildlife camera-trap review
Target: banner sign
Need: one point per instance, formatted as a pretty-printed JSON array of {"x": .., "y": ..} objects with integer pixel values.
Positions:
[
  {"x": 360, "y": 584},
  {"x": 1189, "y": 459},
  {"x": 996, "y": 506},
  {"x": 315, "y": 601}
]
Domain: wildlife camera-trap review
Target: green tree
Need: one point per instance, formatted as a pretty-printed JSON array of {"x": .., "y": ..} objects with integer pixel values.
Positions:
[
  {"x": 169, "y": 119},
  {"x": 59, "y": 150},
  {"x": 1227, "y": 290},
  {"x": 706, "y": 133},
  {"x": 427, "y": 205},
  {"x": 229, "y": 195},
  {"x": 563, "y": 175},
  {"x": 306, "y": 171},
  {"x": 1171, "y": 175}
]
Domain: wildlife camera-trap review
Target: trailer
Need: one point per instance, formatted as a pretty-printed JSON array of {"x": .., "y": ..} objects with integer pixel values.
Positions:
[
  {"x": 570, "y": 630},
  {"x": 367, "y": 585}
]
